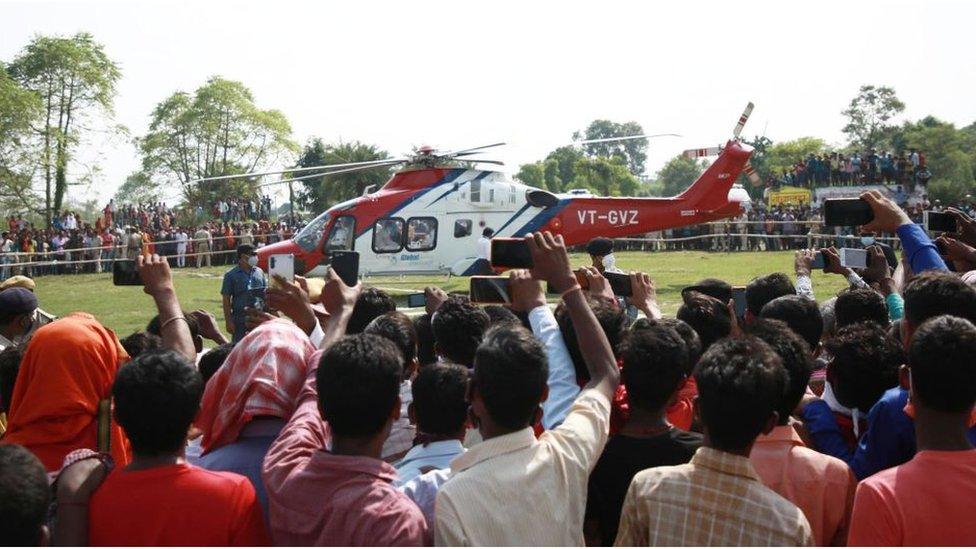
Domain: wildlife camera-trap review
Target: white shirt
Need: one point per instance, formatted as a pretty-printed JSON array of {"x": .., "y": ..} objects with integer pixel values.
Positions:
[
  {"x": 423, "y": 491},
  {"x": 483, "y": 248},
  {"x": 181, "y": 239},
  {"x": 421, "y": 459},
  {"x": 563, "y": 388}
]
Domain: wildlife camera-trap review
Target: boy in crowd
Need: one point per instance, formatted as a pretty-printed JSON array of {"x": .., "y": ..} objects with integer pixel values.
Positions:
[
  {"x": 655, "y": 369},
  {"x": 718, "y": 499},
  {"x": 458, "y": 328},
  {"x": 763, "y": 289},
  {"x": 24, "y": 498},
  {"x": 928, "y": 501}
]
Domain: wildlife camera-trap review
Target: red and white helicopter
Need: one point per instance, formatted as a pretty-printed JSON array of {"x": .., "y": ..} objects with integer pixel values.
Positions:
[{"x": 428, "y": 218}]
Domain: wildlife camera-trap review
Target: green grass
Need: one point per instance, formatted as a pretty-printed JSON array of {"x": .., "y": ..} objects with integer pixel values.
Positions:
[{"x": 126, "y": 309}]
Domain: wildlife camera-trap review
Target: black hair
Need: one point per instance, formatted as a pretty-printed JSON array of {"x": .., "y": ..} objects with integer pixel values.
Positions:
[
  {"x": 425, "y": 340},
  {"x": 398, "y": 328},
  {"x": 191, "y": 323},
  {"x": 439, "y": 392},
  {"x": 865, "y": 364},
  {"x": 795, "y": 355},
  {"x": 740, "y": 384},
  {"x": 24, "y": 496},
  {"x": 611, "y": 318},
  {"x": 687, "y": 333},
  {"x": 856, "y": 305},
  {"x": 655, "y": 361},
  {"x": 213, "y": 359},
  {"x": 706, "y": 315},
  {"x": 9, "y": 368},
  {"x": 458, "y": 329},
  {"x": 510, "y": 374},
  {"x": 941, "y": 357},
  {"x": 801, "y": 314},
  {"x": 936, "y": 293},
  {"x": 244, "y": 249},
  {"x": 138, "y": 343},
  {"x": 359, "y": 384},
  {"x": 761, "y": 290},
  {"x": 499, "y": 314},
  {"x": 371, "y": 303},
  {"x": 488, "y": 232},
  {"x": 157, "y": 396}
]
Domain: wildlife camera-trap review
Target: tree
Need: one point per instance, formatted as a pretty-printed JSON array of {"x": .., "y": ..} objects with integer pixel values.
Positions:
[
  {"x": 633, "y": 152},
  {"x": 605, "y": 176},
  {"x": 18, "y": 109},
  {"x": 678, "y": 173},
  {"x": 533, "y": 175},
  {"x": 558, "y": 170},
  {"x": 138, "y": 187},
  {"x": 73, "y": 78},
  {"x": 321, "y": 192},
  {"x": 948, "y": 151},
  {"x": 869, "y": 113},
  {"x": 781, "y": 157},
  {"x": 218, "y": 130}
]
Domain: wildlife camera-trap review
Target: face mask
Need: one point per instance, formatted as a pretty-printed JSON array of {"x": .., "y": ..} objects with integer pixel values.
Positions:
[
  {"x": 609, "y": 261},
  {"x": 867, "y": 241},
  {"x": 252, "y": 260}
]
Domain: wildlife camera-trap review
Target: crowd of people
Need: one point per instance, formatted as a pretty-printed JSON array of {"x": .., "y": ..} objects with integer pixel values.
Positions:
[
  {"x": 870, "y": 167},
  {"x": 339, "y": 420}
]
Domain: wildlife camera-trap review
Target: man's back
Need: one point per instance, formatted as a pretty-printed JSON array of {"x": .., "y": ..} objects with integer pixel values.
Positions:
[
  {"x": 516, "y": 490},
  {"x": 927, "y": 501},
  {"x": 175, "y": 505},
  {"x": 717, "y": 499}
]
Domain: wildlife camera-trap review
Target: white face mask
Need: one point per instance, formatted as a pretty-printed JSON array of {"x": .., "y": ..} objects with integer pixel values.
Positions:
[
  {"x": 867, "y": 241},
  {"x": 609, "y": 261},
  {"x": 252, "y": 260}
]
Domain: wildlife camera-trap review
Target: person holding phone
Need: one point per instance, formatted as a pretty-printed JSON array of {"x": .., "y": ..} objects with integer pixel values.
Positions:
[{"x": 238, "y": 290}]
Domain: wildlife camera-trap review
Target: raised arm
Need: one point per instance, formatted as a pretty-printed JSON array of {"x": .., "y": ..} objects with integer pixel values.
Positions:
[
  {"x": 339, "y": 301},
  {"x": 921, "y": 252},
  {"x": 158, "y": 282}
]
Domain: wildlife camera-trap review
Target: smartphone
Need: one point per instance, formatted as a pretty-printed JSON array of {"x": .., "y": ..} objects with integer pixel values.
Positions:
[
  {"x": 853, "y": 258},
  {"x": 818, "y": 261},
  {"x": 739, "y": 298},
  {"x": 345, "y": 263},
  {"x": 416, "y": 300},
  {"x": 125, "y": 273},
  {"x": 282, "y": 265},
  {"x": 846, "y": 212},
  {"x": 490, "y": 290},
  {"x": 620, "y": 284},
  {"x": 939, "y": 222},
  {"x": 258, "y": 302},
  {"x": 510, "y": 253}
]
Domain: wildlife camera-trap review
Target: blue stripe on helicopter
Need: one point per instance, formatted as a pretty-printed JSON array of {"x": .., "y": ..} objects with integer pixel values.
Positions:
[{"x": 479, "y": 177}]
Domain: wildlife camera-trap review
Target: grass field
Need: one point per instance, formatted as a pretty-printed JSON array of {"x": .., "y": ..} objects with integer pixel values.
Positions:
[{"x": 127, "y": 309}]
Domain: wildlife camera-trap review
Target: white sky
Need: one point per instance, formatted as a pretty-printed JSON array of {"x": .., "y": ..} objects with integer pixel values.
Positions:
[{"x": 459, "y": 74}]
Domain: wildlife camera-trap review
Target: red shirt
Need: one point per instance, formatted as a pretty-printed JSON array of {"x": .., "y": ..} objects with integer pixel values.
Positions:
[{"x": 175, "y": 505}]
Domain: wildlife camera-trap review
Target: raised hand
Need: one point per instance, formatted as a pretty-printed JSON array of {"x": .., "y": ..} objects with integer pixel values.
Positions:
[
  {"x": 292, "y": 300},
  {"x": 435, "y": 298},
  {"x": 644, "y": 295},
  {"x": 527, "y": 292},
  {"x": 551, "y": 260},
  {"x": 888, "y": 215}
]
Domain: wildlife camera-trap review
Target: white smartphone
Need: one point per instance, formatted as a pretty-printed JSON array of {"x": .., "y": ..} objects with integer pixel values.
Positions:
[
  {"x": 853, "y": 258},
  {"x": 282, "y": 265}
]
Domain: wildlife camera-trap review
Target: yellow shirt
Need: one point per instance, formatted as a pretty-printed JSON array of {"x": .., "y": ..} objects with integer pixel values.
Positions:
[{"x": 519, "y": 490}]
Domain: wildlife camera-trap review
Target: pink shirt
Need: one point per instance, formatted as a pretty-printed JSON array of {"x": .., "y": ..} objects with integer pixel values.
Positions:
[
  {"x": 319, "y": 498},
  {"x": 820, "y": 485},
  {"x": 927, "y": 501}
]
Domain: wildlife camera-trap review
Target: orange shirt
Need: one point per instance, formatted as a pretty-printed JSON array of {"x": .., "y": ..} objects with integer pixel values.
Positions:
[
  {"x": 175, "y": 505},
  {"x": 821, "y": 486},
  {"x": 927, "y": 501}
]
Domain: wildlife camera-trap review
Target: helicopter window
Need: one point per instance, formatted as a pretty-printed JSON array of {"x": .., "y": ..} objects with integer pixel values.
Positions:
[
  {"x": 491, "y": 195},
  {"x": 343, "y": 234},
  {"x": 421, "y": 234},
  {"x": 476, "y": 190},
  {"x": 462, "y": 228},
  {"x": 388, "y": 235},
  {"x": 310, "y": 235}
]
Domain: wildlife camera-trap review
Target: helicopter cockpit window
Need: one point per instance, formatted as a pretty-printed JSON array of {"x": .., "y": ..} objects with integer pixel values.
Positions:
[
  {"x": 462, "y": 228},
  {"x": 310, "y": 235},
  {"x": 421, "y": 234},
  {"x": 388, "y": 235},
  {"x": 343, "y": 234}
]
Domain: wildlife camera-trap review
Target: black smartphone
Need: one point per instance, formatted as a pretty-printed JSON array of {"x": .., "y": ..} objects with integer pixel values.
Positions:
[
  {"x": 510, "y": 253},
  {"x": 739, "y": 298},
  {"x": 846, "y": 212},
  {"x": 345, "y": 263},
  {"x": 941, "y": 245},
  {"x": 940, "y": 222},
  {"x": 417, "y": 300},
  {"x": 620, "y": 284},
  {"x": 818, "y": 261},
  {"x": 490, "y": 290},
  {"x": 125, "y": 273}
]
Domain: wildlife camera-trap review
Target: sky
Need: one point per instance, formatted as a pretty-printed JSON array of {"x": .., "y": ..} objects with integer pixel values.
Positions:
[{"x": 456, "y": 74}]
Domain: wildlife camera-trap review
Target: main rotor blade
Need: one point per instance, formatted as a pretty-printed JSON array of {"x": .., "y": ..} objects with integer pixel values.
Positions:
[
  {"x": 323, "y": 174},
  {"x": 624, "y": 138},
  {"x": 469, "y": 151},
  {"x": 294, "y": 170}
]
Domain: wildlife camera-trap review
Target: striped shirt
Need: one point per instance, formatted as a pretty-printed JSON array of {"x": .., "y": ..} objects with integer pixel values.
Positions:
[{"x": 717, "y": 499}]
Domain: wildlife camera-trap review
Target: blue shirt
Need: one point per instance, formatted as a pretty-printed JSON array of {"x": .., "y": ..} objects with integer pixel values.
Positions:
[
  {"x": 921, "y": 252},
  {"x": 238, "y": 284}
]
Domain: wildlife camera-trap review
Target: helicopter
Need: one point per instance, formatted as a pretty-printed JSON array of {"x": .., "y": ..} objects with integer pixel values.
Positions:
[{"x": 429, "y": 216}]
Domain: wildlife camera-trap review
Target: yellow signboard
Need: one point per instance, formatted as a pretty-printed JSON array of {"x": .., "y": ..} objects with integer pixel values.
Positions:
[{"x": 790, "y": 195}]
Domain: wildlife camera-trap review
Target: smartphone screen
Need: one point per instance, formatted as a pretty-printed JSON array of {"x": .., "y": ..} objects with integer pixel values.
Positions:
[
  {"x": 490, "y": 290},
  {"x": 282, "y": 265},
  {"x": 818, "y": 261},
  {"x": 739, "y": 298},
  {"x": 346, "y": 265},
  {"x": 125, "y": 273},
  {"x": 845, "y": 212},
  {"x": 853, "y": 258},
  {"x": 620, "y": 284},
  {"x": 416, "y": 300},
  {"x": 511, "y": 253},
  {"x": 940, "y": 222}
]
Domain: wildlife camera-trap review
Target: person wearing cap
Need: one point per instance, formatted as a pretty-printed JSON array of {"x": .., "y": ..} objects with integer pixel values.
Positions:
[
  {"x": 19, "y": 315},
  {"x": 601, "y": 254},
  {"x": 240, "y": 290}
]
